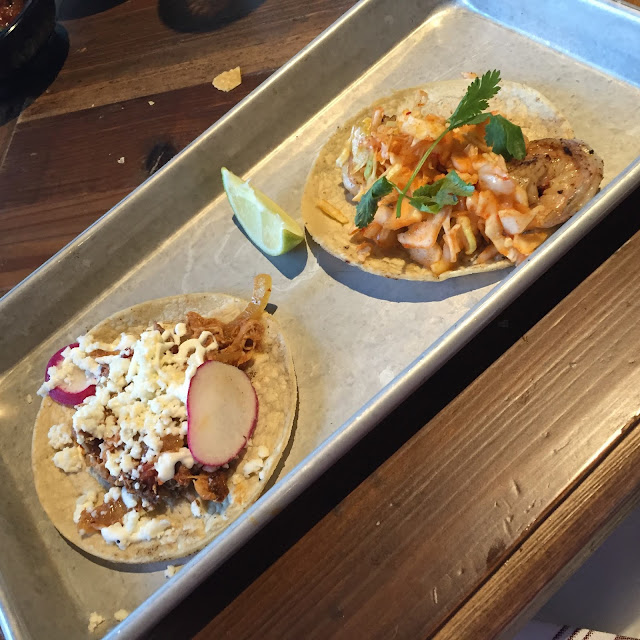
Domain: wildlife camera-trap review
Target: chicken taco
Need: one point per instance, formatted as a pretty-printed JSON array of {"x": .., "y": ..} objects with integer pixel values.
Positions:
[
  {"x": 163, "y": 423},
  {"x": 448, "y": 179}
]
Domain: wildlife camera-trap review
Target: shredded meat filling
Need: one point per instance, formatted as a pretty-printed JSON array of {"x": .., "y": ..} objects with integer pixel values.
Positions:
[
  {"x": 212, "y": 485},
  {"x": 236, "y": 341},
  {"x": 172, "y": 442}
]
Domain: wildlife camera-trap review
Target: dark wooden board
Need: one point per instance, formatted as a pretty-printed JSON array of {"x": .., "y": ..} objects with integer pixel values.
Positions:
[{"x": 59, "y": 167}]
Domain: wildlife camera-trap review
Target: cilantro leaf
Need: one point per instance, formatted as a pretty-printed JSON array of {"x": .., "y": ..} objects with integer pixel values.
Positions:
[
  {"x": 505, "y": 138},
  {"x": 480, "y": 118},
  {"x": 432, "y": 197},
  {"x": 368, "y": 205},
  {"x": 476, "y": 99}
]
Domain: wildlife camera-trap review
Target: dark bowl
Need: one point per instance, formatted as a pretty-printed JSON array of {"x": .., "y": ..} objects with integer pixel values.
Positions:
[{"x": 22, "y": 39}]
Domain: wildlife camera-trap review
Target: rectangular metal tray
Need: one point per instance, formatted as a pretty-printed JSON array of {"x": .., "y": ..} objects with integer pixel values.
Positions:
[{"x": 175, "y": 234}]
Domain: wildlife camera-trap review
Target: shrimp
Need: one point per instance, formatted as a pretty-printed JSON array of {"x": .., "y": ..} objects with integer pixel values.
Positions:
[{"x": 560, "y": 176}]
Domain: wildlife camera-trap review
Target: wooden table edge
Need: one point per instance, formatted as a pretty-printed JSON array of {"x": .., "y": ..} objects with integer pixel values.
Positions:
[{"x": 571, "y": 531}]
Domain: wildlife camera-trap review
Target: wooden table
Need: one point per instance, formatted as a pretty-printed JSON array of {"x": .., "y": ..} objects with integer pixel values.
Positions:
[{"x": 463, "y": 511}]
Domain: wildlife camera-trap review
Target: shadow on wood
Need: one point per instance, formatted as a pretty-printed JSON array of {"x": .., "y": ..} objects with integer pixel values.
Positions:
[
  {"x": 193, "y": 16},
  {"x": 73, "y": 9},
  {"x": 19, "y": 92}
]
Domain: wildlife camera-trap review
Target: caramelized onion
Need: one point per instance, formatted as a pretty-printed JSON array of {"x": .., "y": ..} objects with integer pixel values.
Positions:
[
  {"x": 212, "y": 486},
  {"x": 259, "y": 300},
  {"x": 104, "y": 515}
]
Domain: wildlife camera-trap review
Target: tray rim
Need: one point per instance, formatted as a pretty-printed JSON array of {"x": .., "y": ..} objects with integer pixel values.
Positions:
[{"x": 366, "y": 418}]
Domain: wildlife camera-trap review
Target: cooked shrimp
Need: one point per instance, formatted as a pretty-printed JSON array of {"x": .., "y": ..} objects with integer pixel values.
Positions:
[{"x": 560, "y": 176}]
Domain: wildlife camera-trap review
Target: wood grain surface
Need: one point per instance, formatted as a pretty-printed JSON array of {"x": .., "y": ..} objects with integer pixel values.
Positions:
[
  {"x": 471, "y": 502},
  {"x": 59, "y": 168}
]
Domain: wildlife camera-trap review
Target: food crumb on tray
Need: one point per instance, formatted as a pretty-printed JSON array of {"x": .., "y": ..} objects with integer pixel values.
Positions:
[
  {"x": 120, "y": 614},
  {"x": 171, "y": 570},
  {"x": 228, "y": 80},
  {"x": 95, "y": 620}
]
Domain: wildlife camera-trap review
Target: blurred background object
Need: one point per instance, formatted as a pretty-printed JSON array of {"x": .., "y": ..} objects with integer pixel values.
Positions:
[
  {"x": 203, "y": 15},
  {"x": 25, "y": 26}
]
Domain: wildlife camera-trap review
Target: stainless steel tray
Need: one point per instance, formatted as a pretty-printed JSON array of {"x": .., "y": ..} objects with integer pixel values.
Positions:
[{"x": 175, "y": 234}]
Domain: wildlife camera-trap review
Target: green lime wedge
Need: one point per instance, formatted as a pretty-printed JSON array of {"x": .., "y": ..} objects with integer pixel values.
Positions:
[{"x": 266, "y": 223}]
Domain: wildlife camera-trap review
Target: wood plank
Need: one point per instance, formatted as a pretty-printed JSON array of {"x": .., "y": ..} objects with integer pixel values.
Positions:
[
  {"x": 98, "y": 111},
  {"x": 79, "y": 173},
  {"x": 558, "y": 547},
  {"x": 109, "y": 63},
  {"x": 404, "y": 549}
]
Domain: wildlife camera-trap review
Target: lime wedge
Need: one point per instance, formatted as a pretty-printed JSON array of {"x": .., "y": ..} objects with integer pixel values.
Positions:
[{"x": 267, "y": 224}]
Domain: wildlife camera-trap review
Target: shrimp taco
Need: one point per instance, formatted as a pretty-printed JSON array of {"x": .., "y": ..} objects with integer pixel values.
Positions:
[
  {"x": 448, "y": 179},
  {"x": 163, "y": 423}
]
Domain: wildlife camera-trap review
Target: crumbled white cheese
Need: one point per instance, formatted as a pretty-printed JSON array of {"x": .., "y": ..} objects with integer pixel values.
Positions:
[
  {"x": 252, "y": 466},
  {"x": 120, "y": 614},
  {"x": 82, "y": 361},
  {"x": 134, "y": 529},
  {"x": 141, "y": 399},
  {"x": 90, "y": 418},
  {"x": 256, "y": 464},
  {"x": 71, "y": 371},
  {"x": 87, "y": 501},
  {"x": 171, "y": 570},
  {"x": 86, "y": 344},
  {"x": 60, "y": 436},
  {"x": 95, "y": 620},
  {"x": 112, "y": 495},
  {"x": 112, "y": 463},
  {"x": 69, "y": 459},
  {"x": 127, "y": 463},
  {"x": 130, "y": 501},
  {"x": 166, "y": 464},
  {"x": 196, "y": 508}
]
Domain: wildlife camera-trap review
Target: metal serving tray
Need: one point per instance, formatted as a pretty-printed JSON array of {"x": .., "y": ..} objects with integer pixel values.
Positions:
[{"x": 175, "y": 234}]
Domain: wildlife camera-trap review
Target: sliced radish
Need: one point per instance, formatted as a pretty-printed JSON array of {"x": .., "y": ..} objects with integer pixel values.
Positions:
[
  {"x": 76, "y": 389},
  {"x": 222, "y": 412}
]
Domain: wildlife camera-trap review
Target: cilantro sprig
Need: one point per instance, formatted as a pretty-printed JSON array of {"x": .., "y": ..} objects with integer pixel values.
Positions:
[
  {"x": 503, "y": 136},
  {"x": 432, "y": 197},
  {"x": 475, "y": 100},
  {"x": 366, "y": 208}
]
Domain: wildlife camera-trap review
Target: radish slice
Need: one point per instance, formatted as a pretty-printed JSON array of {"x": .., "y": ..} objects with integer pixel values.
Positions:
[
  {"x": 222, "y": 412},
  {"x": 76, "y": 389}
]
